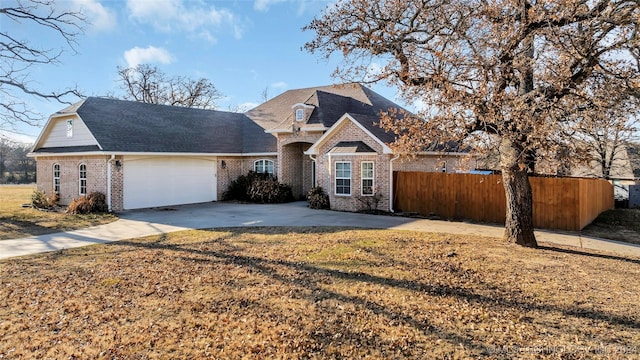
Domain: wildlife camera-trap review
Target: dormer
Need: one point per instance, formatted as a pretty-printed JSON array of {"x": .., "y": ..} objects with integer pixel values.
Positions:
[{"x": 302, "y": 112}]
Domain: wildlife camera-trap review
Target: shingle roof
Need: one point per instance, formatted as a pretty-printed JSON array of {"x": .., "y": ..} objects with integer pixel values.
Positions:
[
  {"x": 129, "y": 126},
  {"x": 370, "y": 123},
  {"x": 351, "y": 147},
  {"x": 58, "y": 150},
  {"x": 330, "y": 102}
]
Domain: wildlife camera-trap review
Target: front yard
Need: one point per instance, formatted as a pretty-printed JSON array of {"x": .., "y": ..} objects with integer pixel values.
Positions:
[
  {"x": 616, "y": 224},
  {"x": 305, "y": 293},
  {"x": 18, "y": 222}
]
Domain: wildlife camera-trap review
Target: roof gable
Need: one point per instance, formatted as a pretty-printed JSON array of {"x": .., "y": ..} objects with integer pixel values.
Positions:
[{"x": 313, "y": 150}]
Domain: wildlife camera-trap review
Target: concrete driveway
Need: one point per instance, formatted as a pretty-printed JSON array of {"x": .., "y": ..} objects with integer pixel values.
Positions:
[{"x": 139, "y": 223}]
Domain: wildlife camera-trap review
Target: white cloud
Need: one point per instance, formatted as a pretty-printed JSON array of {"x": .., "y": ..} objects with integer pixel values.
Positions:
[
  {"x": 100, "y": 17},
  {"x": 279, "y": 85},
  {"x": 192, "y": 17},
  {"x": 263, "y": 5},
  {"x": 148, "y": 55}
]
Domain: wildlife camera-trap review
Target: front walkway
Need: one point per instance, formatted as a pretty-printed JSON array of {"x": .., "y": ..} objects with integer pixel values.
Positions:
[{"x": 139, "y": 223}]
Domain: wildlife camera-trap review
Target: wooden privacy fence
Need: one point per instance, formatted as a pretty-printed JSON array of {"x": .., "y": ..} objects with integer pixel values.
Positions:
[{"x": 558, "y": 203}]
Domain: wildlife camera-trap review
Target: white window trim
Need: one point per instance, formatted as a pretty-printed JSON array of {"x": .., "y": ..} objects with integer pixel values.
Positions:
[
  {"x": 301, "y": 112},
  {"x": 80, "y": 178},
  {"x": 335, "y": 178},
  {"x": 264, "y": 166},
  {"x": 56, "y": 177},
  {"x": 372, "y": 178}
]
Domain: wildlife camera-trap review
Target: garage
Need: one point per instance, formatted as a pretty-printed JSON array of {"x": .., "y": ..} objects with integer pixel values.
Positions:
[{"x": 162, "y": 181}]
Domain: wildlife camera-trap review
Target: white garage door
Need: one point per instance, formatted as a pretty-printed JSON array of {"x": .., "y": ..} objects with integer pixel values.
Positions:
[{"x": 162, "y": 181}]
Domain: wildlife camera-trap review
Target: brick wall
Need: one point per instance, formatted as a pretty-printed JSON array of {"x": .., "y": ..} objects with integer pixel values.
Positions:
[
  {"x": 236, "y": 166},
  {"x": 325, "y": 167},
  {"x": 434, "y": 163},
  {"x": 296, "y": 168},
  {"x": 69, "y": 175},
  {"x": 117, "y": 184}
]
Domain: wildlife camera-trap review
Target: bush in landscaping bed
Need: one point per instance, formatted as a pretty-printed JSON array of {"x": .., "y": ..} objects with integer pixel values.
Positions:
[
  {"x": 41, "y": 200},
  {"x": 317, "y": 198},
  {"x": 93, "y": 203},
  {"x": 239, "y": 188},
  {"x": 270, "y": 191},
  {"x": 258, "y": 187}
]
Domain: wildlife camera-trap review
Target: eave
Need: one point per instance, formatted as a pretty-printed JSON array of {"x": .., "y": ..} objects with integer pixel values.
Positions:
[{"x": 125, "y": 153}]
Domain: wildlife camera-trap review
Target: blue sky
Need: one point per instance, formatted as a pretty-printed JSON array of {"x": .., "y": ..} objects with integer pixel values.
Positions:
[{"x": 242, "y": 46}]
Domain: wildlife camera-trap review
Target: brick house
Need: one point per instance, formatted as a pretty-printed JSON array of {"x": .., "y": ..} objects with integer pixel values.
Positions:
[{"x": 144, "y": 155}]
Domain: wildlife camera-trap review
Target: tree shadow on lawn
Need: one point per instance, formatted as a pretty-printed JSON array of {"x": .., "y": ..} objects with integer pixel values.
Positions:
[
  {"x": 309, "y": 277},
  {"x": 589, "y": 254},
  {"x": 24, "y": 228}
]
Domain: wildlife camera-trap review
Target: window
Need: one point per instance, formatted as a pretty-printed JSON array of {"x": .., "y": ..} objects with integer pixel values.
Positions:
[
  {"x": 69, "y": 128},
  {"x": 367, "y": 177},
  {"x": 264, "y": 166},
  {"x": 299, "y": 115},
  {"x": 83, "y": 179},
  {"x": 343, "y": 178},
  {"x": 56, "y": 178}
]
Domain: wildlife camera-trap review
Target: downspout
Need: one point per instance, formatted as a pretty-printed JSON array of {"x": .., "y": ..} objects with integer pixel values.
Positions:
[
  {"x": 391, "y": 183},
  {"x": 109, "y": 182}
]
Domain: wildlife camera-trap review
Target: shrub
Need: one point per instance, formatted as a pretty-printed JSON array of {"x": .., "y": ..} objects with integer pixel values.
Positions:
[
  {"x": 93, "y": 203},
  {"x": 258, "y": 187},
  {"x": 370, "y": 203},
  {"x": 270, "y": 191},
  {"x": 317, "y": 198},
  {"x": 41, "y": 200},
  {"x": 239, "y": 188}
]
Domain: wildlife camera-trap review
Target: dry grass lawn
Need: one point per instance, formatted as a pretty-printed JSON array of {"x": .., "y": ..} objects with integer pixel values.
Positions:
[
  {"x": 319, "y": 293},
  {"x": 616, "y": 224},
  {"x": 17, "y": 222}
]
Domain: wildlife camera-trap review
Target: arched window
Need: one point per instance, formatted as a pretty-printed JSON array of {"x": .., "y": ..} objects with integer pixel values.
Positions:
[
  {"x": 83, "y": 179},
  {"x": 264, "y": 166},
  {"x": 56, "y": 178}
]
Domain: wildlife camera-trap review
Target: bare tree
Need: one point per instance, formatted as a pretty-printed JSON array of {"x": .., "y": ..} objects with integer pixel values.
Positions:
[
  {"x": 605, "y": 124},
  {"x": 148, "y": 84},
  {"x": 15, "y": 165},
  {"x": 264, "y": 95},
  {"x": 18, "y": 56},
  {"x": 510, "y": 68}
]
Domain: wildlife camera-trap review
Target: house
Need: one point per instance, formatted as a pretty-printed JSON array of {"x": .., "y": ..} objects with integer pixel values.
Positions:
[{"x": 144, "y": 155}]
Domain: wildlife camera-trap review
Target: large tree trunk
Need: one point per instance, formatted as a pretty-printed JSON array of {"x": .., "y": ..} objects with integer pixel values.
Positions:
[{"x": 517, "y": 189}]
